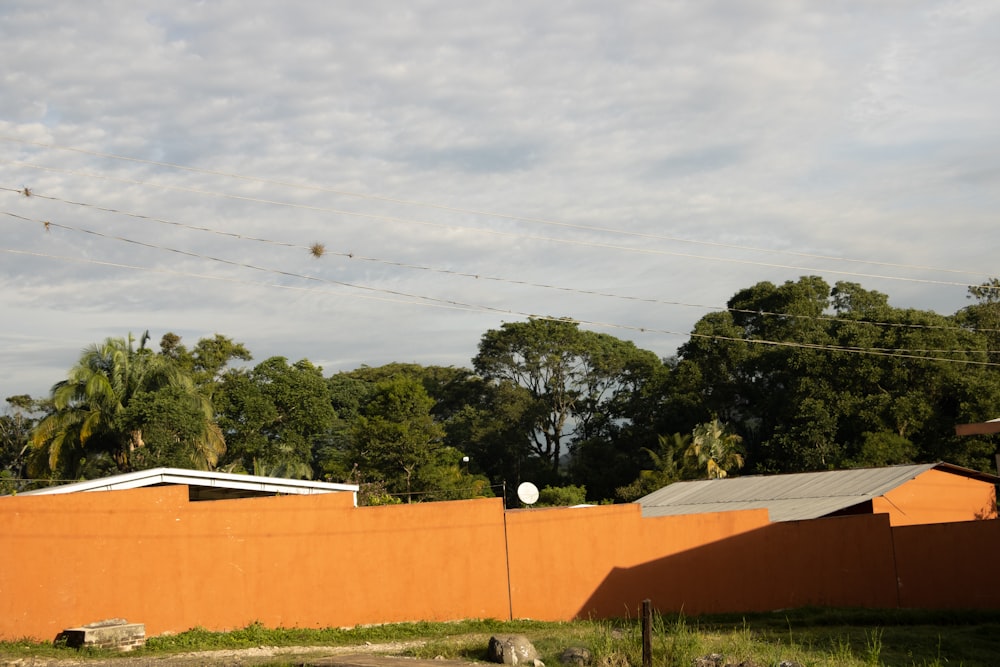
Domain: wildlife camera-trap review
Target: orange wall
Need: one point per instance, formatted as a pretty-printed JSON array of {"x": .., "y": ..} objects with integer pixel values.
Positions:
[
  {"x": 937, "y": 496},
  {"x": 604, "y": 561},
  {"x": 560, "y": 557},
  {"x": 949, "y": 565},
  {"x": 150, "y": 556}
]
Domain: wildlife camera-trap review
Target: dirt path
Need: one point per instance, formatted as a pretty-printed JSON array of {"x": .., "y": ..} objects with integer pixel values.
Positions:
[{"x": 221, "y": 658}]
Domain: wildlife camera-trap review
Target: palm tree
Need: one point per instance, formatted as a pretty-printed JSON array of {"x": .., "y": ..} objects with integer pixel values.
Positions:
[
  {"x": 665, "y": 469},
  {"x": 90, "y": 416},
  {"x": 716, "y": 448}
]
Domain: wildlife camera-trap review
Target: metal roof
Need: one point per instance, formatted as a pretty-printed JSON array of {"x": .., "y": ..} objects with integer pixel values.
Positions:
[
  {"x": 791, "y": 497},
  {"x": 203, "y": 485}
]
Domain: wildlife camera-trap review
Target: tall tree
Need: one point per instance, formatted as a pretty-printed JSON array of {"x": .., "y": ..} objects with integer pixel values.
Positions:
[
  {"x": 666, "y": 468},
  {"x": 814, "y": 377},
  {"x": 396, "y": 439},
  {"x": 577, "y": 380},
  {"x": 275, "y": 416},
  {"x": 716, "y": 449},
  {"x": 16, "y": 424},
  {"x": 207, "y": 361},
  {"x": 91, "y": 416}
]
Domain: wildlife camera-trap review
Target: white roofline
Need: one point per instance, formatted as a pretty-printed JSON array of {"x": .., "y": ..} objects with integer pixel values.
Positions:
[{"x": 201, "y": 478}]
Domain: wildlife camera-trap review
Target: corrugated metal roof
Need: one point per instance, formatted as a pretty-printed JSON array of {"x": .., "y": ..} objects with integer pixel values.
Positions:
[
  {"x": 792, "y": 497},
  {"x": 203, "y": 485}
]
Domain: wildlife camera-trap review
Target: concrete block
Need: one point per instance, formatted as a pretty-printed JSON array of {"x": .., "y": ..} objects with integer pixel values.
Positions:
[{"x": 107, "y": 634}]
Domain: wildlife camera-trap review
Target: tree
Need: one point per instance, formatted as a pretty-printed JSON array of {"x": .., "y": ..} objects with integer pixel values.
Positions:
[
  {"x": 813, "y": 378},
  {"x": 207, "y": 361},
  {"x": 396, "y": 439},
  {"x": 333, "y": 456},
  {"x": 716, "y": 449},
  {"x": 577, "y": 381},
  {"x": 15, "y": 433},
  {"x": 562, "y": 496},
  {"x": 490, "y": 428},
  {"x": 275, "y": 416},
  {"x": 172, "y": 426},
  {"x": 90, "y": 416},
  {"x": 666, "y": 468}
]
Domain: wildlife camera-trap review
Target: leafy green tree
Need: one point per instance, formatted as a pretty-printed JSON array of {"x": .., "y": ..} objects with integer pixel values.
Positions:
[
  {"x": 578, "y": 381},
  {"x": 984, "y": 315},
  {"x": 814, "y": 377},
  {"x": 90, "y": 410},
  {"x": 207, "y": 361},
  {"x": 16, "y": 424},
  {"x": 172, "y": 427},
  {"x": 448, "y": 477},
  {"x": 396, "y": 439},
  {"x": 562, "y": 496},
  {"x": 666, "y": 468},
  {"x": 333, "y": 456},
  {"x": 631, "y": 423},
  {"x": 884, "y": 448},
  {"x": 716, "y": 449},
  {"x": 274, "y": 416}
]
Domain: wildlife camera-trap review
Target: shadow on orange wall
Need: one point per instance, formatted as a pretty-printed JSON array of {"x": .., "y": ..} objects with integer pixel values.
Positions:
[{"x": 836, "y": 562}]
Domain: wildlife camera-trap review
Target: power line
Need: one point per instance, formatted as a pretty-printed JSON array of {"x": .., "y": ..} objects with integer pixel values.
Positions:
[
  {"x": 49, "y": 224},
  {"x": 529, "y": 237},
  {"x": 468, "y": 211},
  {"x": 898, "y": 353},
  {"x": 476, "y": 276}
]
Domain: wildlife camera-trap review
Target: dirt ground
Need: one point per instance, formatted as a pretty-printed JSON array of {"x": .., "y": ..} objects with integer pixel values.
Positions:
[{"x": 296, "y": 655}]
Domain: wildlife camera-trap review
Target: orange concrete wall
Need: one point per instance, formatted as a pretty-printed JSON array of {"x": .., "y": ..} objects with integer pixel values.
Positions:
[
  {"x": 150, "y": 556},
  {"x": 949, "y": 565},
  {"x": 560, "y": 558},
  {"x": 604, "y": 561},
  {"x": 937, "y": 496}
]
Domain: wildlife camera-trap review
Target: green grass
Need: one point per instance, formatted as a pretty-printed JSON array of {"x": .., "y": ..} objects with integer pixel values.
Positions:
[{"x": 813, "y": 637}]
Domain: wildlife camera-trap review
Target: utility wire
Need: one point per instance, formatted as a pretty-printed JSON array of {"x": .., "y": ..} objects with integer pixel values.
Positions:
[
  {"x": 890, "y": 352},
  {"x": 49, "y": 225},
  {"x": 529, "y": 237},
  {"x": 468, "y": 211},
  {"x": 478, "y": 276}
]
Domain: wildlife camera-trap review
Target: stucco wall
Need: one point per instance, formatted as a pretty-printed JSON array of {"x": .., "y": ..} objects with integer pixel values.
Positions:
[
  {"x": 948, "y": 565},
  {"x": 937, "y": 496},
  {"x": 150, "y": 556}
]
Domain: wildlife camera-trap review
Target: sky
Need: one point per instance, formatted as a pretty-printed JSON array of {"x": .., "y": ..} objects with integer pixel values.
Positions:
[{"x": 365, "y": 183}]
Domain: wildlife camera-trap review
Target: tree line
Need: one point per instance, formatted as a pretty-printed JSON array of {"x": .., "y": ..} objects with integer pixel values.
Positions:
[{"x": 794, "y": 377}]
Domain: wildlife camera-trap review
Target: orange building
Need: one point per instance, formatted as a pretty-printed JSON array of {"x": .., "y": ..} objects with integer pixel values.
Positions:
[{"x": 908, "y": 494}]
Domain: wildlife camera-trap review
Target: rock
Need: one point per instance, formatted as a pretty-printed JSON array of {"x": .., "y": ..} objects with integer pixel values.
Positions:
[
  {"x": 719, "y": 660},
  {"x": 577, "y": 656},
  {"x": 512, "y": 650},
  {"x": 789, "y": 663}
]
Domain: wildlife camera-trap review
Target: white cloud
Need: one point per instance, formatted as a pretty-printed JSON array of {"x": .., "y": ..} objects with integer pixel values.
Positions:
[{"x": 856, "y": 130}]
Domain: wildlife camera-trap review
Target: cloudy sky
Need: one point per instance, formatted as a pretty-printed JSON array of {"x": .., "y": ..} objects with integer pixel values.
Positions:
[{"x": 463, "y": 164}]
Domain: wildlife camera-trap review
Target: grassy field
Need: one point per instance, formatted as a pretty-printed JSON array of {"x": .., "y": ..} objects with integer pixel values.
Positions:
[{"x": 812, "y": 637}]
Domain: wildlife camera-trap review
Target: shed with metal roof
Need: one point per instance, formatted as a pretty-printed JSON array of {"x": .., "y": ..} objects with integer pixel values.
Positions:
[
  {"x": 910, "y": 494},
  {"x": 203, "y": 485}
]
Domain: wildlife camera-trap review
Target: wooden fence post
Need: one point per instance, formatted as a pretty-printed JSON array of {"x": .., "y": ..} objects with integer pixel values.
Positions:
[{"x": 647, "y": 633}]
